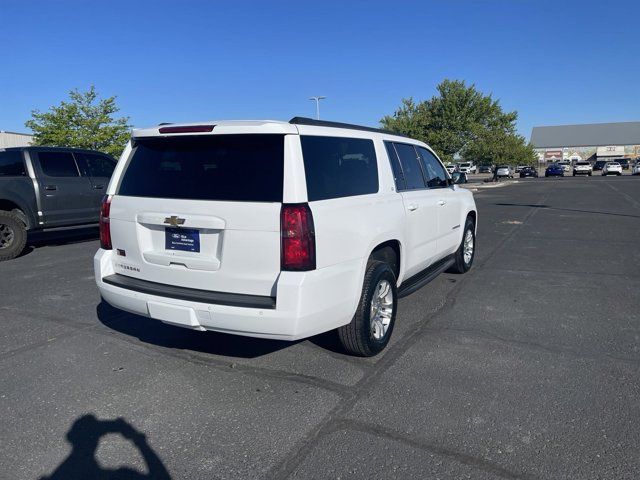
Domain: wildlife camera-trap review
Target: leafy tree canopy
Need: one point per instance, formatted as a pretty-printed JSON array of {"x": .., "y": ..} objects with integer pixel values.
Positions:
[
  {"x": 462, "y": 121},
  {"x": 84, "y": 121}
]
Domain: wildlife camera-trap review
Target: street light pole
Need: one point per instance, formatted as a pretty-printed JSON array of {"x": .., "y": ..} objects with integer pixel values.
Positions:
[{"x": 317, "y": 99}]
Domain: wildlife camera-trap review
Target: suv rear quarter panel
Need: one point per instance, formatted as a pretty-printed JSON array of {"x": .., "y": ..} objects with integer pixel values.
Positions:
[{"x": 348, "y": 228}]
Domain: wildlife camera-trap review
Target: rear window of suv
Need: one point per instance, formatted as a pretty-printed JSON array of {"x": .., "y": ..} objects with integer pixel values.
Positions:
[
  {"x": 339, "y": 167},
  {"x": 245, "y": 168}
]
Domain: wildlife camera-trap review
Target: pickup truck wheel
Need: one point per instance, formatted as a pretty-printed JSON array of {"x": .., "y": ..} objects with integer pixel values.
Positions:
[
  {"x": 467, "y": 250},
  {"x": 13, "y": 236},
  {"x": 370, "y": 328}
]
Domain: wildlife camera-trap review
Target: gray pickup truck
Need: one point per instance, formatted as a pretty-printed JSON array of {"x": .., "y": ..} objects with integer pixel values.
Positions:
[{"x": 47, "y": 188}]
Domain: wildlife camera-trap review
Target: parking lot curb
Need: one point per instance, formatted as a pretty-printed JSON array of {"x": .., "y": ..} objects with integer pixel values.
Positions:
[{"x": 484, "y": 186}]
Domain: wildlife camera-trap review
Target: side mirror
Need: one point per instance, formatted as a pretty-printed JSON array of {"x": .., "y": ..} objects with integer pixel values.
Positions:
[{"x": 458, "y": 177}]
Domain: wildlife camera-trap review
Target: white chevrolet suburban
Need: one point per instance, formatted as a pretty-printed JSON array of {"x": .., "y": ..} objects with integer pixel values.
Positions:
[{"x": 279, "y": 230}]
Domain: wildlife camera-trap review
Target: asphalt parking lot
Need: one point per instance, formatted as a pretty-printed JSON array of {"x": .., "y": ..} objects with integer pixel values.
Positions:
[{"x": 526, "y": 367}]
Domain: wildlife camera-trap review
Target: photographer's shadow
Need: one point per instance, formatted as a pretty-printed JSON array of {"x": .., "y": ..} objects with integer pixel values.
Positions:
[{"x": 84, "y": 436}]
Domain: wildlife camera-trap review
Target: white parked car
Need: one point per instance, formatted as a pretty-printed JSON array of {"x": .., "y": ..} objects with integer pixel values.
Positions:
[
  {"x": 450, "y": 167},
  {"x": 467, "y": 167},
  {"x": 612, "y": 168},
  {"x": 635, "y": 169},
  {"x": 279, "y": 230},
  {"x": 582, "y": 168}
]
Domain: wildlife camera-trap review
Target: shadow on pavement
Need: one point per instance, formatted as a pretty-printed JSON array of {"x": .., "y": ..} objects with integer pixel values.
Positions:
[
  {"x": 62, "y": 237},
  {"x": 565, "y": 209},
  {"x": 328, "y": 341},
  {"x": 84, "y": 436},
  {"x": 157, "y": 333}
]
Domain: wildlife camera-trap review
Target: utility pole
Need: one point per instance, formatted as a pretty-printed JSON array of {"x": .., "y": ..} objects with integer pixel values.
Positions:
[{"x": 317, "y": 99}]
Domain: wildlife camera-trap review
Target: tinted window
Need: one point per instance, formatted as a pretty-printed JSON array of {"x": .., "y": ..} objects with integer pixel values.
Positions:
[
  {"x": 436, "y": 174},
  {"x": 208, "y": 167},
  {"x": 410, "y": 166},
  {"x": 395, "y": 166},
  {"x": 11, "y": 163},
  {"x": 98, "y": 165},
  {"x": 339, "y": 167},
  {"x": 58, "y": 164}
]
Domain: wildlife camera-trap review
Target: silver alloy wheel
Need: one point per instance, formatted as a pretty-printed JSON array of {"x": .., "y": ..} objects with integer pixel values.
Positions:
[
  {"x": 381, "y": 309},
  {"x": 6, "y": 236},
  {"x": 468, "y": 247}
]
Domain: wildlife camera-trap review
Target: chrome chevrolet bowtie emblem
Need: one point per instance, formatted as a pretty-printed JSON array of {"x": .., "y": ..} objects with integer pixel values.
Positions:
[{"x": 174, "y": 221}]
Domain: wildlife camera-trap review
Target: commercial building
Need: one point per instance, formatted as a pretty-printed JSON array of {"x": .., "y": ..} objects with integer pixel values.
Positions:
[
  {"x": 13, "y": 139},
  {"x": 603, "y": 141}
]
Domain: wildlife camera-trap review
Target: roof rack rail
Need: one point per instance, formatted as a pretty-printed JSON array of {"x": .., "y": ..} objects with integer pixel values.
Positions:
[{"x": 324, "y": 123}]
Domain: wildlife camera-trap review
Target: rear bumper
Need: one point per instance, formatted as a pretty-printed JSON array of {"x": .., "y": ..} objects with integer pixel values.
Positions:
[{"x": 305, "y": 304}]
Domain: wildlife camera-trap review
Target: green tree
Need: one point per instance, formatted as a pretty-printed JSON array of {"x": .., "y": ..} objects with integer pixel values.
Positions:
[
  {"x": 85, "y": 121},
  {"x": 461, "y": 121},
  {"x": 496, "y": 147}
]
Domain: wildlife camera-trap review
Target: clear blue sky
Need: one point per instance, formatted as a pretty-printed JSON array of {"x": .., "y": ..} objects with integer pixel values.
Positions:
[{"x": 555, "y": 62}]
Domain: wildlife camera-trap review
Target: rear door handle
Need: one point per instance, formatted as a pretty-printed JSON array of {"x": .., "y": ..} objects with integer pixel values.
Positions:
[
  {"x": 412, "y": 206},
  {"x": 98, "y": 187},
  {"x": 441, "y": 202},
  {"x": 50, "y": 187}
]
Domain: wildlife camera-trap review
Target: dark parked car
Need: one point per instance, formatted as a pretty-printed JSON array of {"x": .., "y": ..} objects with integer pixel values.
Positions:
[
  {"x": 528, "y": 172},
  {"x": 624, "y": 163},
  {"x": 599, "y": 165},
  {"x": 43, "y": 188},
  {"x": 554, "y": 170},
  {"x": 484, "y": 169}
]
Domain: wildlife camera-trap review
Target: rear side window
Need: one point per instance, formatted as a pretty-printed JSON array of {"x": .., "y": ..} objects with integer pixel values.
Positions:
[
  {"x": 11, "y": 164},
  {"x": 98, "y": 165},
  {"x": 339, "y": 167},
  {"x": 58, "y": 164},
  {"x": 246, "y": 168},
  {"x": 395, "y": 166},
  {"x": 435, "y": 172},
  {"x": 410, "y": 166}
]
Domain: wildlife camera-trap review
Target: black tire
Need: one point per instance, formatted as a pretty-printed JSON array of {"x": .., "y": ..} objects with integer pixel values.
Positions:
[
  {"x": 460, "y": 266},
  {"x": 357, "y": 337},
  {"x": 13, "y": 236}
]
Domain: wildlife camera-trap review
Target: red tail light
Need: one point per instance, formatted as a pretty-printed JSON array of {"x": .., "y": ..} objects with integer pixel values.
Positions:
[
  {"x": 105, "y": 226},
  {"x": 298, "y": 238}
]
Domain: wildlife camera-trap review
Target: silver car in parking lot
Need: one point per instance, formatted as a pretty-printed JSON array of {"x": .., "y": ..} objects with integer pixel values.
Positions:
[{"x": 504, "y": 171}]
